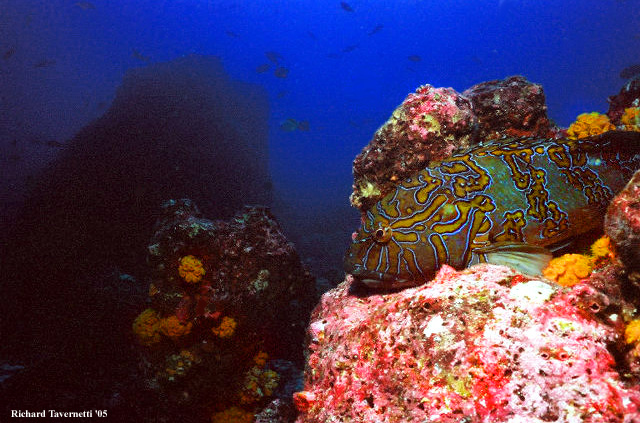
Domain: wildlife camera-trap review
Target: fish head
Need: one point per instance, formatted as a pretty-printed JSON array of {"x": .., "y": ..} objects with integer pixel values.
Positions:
[{"x": 386, "y": 254}]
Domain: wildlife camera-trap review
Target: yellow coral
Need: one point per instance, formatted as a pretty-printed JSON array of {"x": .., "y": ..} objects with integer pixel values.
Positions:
[
  {"x": 569, "y": 269},
  {"x": 226, "y": 328},
  {"x": 191, "y": 269},
  {"x": 632, "y": 332},
  {"x": 602, "y": 251},
  {"x": 173, "y": 328},
  {"x": 232, "y": 415},
  {"x": 589, "y": 124},
  {"x": 631, "y": 119},
  {"x": 260, "y": 359},
  {"x": 146, "y": 327}
]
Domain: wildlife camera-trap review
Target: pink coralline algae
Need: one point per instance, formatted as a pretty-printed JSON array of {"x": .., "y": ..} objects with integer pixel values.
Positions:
[
  {"x": 482, "y": 345},
  {"x": 511, "y": 107},
  {"x": 432, "y": 123},
  {"x": 429, "y": 125},
  {"x": 622, "y": 225}
]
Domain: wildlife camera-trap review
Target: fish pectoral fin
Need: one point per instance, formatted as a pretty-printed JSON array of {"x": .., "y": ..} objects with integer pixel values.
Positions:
[{"x": 525, "y": 258}]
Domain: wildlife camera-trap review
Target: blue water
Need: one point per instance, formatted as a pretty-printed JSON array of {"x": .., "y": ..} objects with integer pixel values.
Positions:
[{"x": 63, "y": 60}]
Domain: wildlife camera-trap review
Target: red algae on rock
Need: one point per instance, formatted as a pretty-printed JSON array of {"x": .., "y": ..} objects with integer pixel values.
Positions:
[
  {"x": 622, "y": 224},
  {"x": 482, "y": 345},
  {"x": 430, "y": 124}
]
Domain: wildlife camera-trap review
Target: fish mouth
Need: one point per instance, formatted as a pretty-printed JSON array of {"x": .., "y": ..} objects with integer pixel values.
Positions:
[{"x": 378, "y": 280}]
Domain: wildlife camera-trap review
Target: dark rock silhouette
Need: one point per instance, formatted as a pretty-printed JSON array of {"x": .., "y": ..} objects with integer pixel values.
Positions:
[{"x": 180, "y": 129}]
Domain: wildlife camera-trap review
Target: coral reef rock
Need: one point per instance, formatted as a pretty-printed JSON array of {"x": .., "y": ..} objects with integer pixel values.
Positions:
[
  {"x": 430, "y": 124},
  {"x": 482, "y": 345},
  {"x": 512, "y": 107},
  {"x": 622, "y": 225},
  {"x": 629, "y": 96},
  {"x": 227, "y": 298}
]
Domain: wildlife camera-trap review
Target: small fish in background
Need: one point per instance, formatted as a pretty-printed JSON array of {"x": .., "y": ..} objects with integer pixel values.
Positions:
[
  {"x": 350, "y": 48},
  {"x": 54, "y": 144},
  {"x": 231, "y": 34},
  {"x": 630, "y": 71},
  {"x": 281, "y": 72},
  {"x": 135, "y": 53},
  {"x": 263, "y": 68},
  {"x": 44, "y": 63},
  {"x": 282, "y": 94},
  {"x": 291, "y": 125},
  {"x": 346, "y": 7},
  {"x": 273, "y": 56},
  {"x": 8, "y": 54},
  {"x": 333, "y": 55},
  {"x": 414, "y": 58},
  {"x": 85, "y": 5},
  {"x": 376, "y": 29},
  {"x": 312, "y": 35}
]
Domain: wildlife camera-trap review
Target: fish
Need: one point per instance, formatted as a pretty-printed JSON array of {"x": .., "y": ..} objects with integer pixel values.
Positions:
[
  {"x": 44, "y": 63},
  {"x": 350, "y": 48},
  {"x": 8, "y": 54},
  {"x": 281, "y": 72},
  {"x": 630, "y": 71},
  {"x": 273, "y": 56},
  {"x": 85, "y": 5},
  {"x": 136, "y": 54},
  {"x": 232, "y": 34},
  {"x": 263, "y": 68},
  {"x": 414, "y": 58},
  {"x": 291, "y": 125},
  {"x": 346, "y": 7},
  {"x": 512, "y": 202},
  {"x": 376, "y": 29}
]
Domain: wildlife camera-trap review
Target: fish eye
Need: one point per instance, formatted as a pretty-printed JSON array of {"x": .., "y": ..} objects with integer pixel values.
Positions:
[{"x": 382, "y": 234}]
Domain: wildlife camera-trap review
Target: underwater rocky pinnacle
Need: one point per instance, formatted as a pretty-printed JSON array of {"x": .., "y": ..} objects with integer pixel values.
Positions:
[
  {"x": 228, "y": 304},
  {"x": 487, "y": 343}
]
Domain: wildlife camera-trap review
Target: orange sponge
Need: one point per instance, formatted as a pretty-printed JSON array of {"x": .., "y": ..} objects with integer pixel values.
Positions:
[
  {"x": 589, "y": 124},
  {"x": 226, "y": 328},
  {"x": 568, "y": 269},
  {"x": 173, "y": 328},
  {"x": 632, "y": 332},
  {"x": 146, "y": 327},
  {"x": 631, "y": 119},
  {"x": 191, "y": 269}
]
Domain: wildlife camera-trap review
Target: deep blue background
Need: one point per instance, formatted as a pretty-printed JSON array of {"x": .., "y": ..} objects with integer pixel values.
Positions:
[{"x": 574, "y": 48}]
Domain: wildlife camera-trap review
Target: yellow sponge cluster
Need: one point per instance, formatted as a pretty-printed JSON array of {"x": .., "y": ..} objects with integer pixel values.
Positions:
[
  {"x": 631, "y": 119},
  {"x": 602, "y": 251},
  {"x": 226, "y": 328},
  {"x": 632, "y": 332},
  {"x": 173, "y": 328},
  {"x": 232, "y": 415},
  {"x": 148, "y": 326},
  {"x": 569, "y": 269},
  {"x": 191, "y": 269},
  {"x": 588, "y": 124}
]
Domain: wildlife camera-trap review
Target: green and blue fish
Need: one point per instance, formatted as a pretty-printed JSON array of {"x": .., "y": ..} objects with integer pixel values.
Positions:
[{"x": 509, "y": 202}]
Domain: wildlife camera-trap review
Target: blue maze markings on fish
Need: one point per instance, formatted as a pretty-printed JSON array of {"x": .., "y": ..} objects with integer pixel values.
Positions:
[{"x": 507, "y": 202}]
